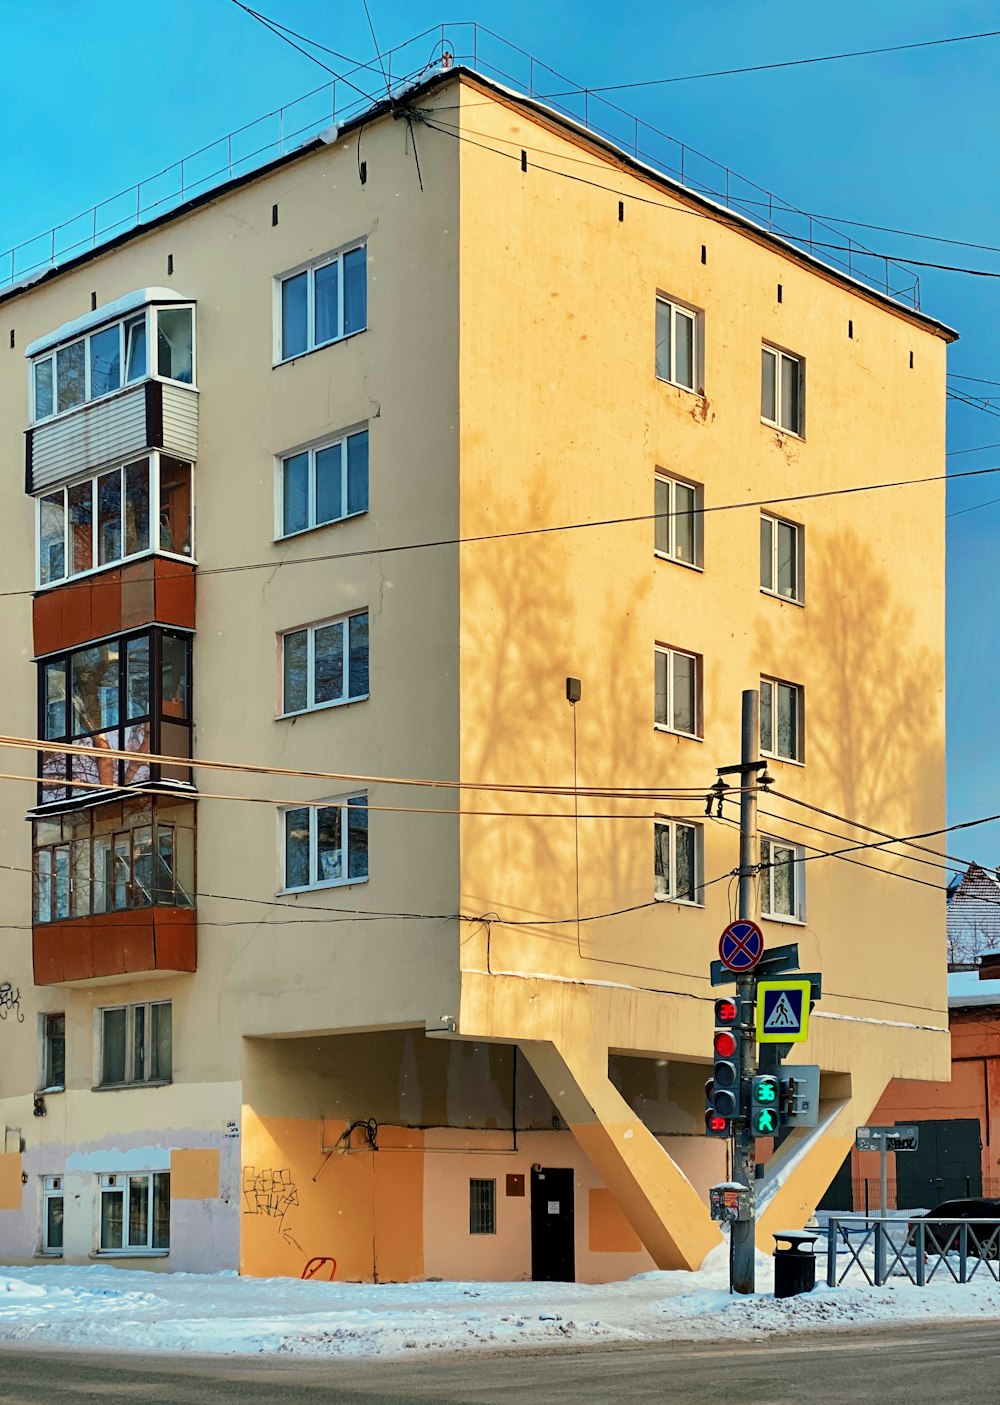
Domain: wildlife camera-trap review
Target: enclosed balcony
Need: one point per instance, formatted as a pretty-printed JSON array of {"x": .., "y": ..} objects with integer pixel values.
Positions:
[
  {"x": 111, "y": 385},
  {"x": 113, "y": 890}
]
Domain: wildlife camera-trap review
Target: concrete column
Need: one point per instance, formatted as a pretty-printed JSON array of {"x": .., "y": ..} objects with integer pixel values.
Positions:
[{"x": 653, "y": 1193}]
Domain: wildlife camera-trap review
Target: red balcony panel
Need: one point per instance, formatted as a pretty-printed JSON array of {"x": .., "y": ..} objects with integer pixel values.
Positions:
[
  {"x": 154, "y": 590},
  {"x": 134, "y": 942}
]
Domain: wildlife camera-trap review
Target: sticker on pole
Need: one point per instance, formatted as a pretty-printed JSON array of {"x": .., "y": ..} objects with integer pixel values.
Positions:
[
  {"x": 741, "y": 945},
  {"x": 783, "y": 1011}
]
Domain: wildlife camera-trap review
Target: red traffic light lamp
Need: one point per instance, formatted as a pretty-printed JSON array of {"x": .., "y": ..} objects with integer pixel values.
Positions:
[{"x": 724, "y": 1044}]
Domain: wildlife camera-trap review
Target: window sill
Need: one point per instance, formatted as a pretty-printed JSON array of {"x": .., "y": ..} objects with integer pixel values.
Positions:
[
  {"x": 322, "y": 346},
  {"x": 129, "y": 1253},
  {"x": 782, "y": 599},
  {"x": 780, "y": 429},
  {"x": 677, "y": 385},
  {"x": 320, "y": 887},
  {"x": 672, "y": 732},
  {"x": 49, "y": 1254},
  {"x": 679, "y": 902},
  {"x": 318, "y": 526},
  {"x": 125, "y": 1087},
  {"x": 782, "y": 760},
  {"x": 47, "y": 1092},
  {"x": 676, "y": 561},
  {"x": 780, "y": 917},
  {"x": 321, "y": 707}
]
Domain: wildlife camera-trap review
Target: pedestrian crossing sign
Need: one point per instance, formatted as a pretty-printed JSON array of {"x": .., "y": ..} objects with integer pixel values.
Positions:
[{"x": 783, "y": 1011}]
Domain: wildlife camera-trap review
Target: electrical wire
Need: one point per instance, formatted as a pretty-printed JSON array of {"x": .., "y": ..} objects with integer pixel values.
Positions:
[
  {"x": 276, "y": 31},
  {"x": 632, "y": 519},
  {"x": 858, "y": 824},
  {"x": 786, "y": 63}
]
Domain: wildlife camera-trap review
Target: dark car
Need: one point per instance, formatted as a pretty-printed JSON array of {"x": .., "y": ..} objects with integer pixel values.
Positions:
[{"x": 983, "y": 1239}]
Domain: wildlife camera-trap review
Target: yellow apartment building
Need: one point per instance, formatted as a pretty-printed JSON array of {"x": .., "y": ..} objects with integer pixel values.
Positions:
[{"x": 328, "y": 482}]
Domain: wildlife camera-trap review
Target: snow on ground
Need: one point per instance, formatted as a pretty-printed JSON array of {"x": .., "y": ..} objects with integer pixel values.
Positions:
[{"x": 120, "y": 1309}]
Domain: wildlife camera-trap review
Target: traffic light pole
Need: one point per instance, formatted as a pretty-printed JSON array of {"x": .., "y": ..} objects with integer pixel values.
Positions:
[{"x": 742, "y": 1232}]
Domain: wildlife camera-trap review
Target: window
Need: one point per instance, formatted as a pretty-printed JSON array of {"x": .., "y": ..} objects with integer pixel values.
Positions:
[
  {"x": 780, "y": 557},
  {"x": 678, "y": 701},
  {"x": 324, "y": 845},
  {"x": 781, "y": 719},
  {"x": 324, "y": 664},
  {"x": 130, "y": 694},
  {"x": 482, "y": 1207},
  {"x": 52, "y": 1215},
  {"x": 136, "y": 1044},
  {"x": 53, "y": 1053},
  {"x": 782, "y": 389},
  {"x": 114, "y": 857},
  {"x": 135, "y": 1212},
  {"x": 677, "y": 348},
  {"x": 677, "y": 861},
  {"x": 678, "y": 507},
  {"x": 782, "y": 881},
  {"x": 124, "y": 512},
  {"x": 112, "y": 357},
  {"x": 323, "y": 302},
  {"x": 325, "y": 484}
]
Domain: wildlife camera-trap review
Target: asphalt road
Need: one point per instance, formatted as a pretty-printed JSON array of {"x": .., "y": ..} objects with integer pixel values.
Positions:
[{"x": 933, "y": 1364}]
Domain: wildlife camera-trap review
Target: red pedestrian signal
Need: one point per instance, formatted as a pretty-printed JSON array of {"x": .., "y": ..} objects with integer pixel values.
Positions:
[{"x": 726, "y": 1012}]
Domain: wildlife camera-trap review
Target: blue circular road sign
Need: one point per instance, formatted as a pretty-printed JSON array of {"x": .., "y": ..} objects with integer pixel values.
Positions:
[{"x": 741, "y": 945}]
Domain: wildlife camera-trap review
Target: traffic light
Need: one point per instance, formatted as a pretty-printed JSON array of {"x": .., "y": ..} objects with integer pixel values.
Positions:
[
  {"x": 725, "y": 1093},
  {"x": 765, "y": 1098}
]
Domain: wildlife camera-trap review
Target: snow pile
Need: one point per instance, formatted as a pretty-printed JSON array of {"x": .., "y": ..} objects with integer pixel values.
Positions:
[{"x": 121, "y": 1310}]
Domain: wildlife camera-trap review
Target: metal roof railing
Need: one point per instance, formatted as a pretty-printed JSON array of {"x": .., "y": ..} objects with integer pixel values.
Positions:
[{"x": 471, "y": 45}]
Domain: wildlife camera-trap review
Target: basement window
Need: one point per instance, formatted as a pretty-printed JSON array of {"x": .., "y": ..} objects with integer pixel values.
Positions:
[{"x": 482, "y": 1206}]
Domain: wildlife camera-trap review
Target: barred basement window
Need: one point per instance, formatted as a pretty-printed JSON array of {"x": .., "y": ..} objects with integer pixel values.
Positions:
[{"x": 482, "y": 1207}]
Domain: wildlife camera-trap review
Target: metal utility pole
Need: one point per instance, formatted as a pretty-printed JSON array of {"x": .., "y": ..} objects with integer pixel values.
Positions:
[{"x": 742, "y": 1232}]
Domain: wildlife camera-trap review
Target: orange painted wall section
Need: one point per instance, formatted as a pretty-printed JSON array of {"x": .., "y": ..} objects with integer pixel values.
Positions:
[
  {"x": 610, "y": 1231},
  {"x": 115, "y": 944},
  {"x": 194, "y": 1174},
  {"x": 304, "y": 1196},
  {"x": 10, "y": 1181},
  {"x": 154, "y": 590}
]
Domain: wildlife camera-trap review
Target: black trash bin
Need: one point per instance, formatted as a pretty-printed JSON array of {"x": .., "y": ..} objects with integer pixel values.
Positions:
[{"x": 794, "y": 1266}]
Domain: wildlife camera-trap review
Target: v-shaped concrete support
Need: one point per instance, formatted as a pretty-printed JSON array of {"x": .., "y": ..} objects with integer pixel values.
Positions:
[{"x": 652, "y": 1191}]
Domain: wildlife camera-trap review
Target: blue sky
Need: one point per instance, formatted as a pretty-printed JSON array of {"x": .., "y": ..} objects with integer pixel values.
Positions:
[{"x": 99, "y": 96}]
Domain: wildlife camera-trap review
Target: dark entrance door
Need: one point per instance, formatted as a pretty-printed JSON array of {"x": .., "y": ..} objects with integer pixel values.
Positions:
[
  {"x": 947, "y": 1164},
  {"x": 553, "y": 1256}
]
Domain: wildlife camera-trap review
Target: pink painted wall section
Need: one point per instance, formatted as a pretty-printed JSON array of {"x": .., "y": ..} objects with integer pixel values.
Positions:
[{"x": 603, "y": 1237}]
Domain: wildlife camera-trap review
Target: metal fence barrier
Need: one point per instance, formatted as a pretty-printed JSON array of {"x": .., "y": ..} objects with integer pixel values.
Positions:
[{"x": 915, "y": 1248}]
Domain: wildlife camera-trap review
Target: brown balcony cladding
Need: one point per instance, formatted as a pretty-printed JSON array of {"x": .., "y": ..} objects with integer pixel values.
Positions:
[
  {"x": 154, "y": 940},
  {"x": 154, "y": 590}
]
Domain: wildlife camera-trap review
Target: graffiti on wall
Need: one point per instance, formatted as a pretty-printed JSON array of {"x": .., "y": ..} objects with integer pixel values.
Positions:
[
  {"x": 271, "y": 1193},
  {"x": 10, "y": 1000}
]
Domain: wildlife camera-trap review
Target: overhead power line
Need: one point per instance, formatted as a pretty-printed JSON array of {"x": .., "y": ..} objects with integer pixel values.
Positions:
[
  {"x": 786, "y": 63},
  {"x": 277, "y": 29},
  {"x": 567, "y": 526}
]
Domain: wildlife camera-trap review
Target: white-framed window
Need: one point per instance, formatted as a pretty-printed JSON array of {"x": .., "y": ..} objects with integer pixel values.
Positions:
[
  {"x": 112, "y": 357},
  {"x": 132, "y": 510},
  {"x": 323, "y": 846},
  {"x": 781, "y": 719},
  {"x": 679, "y": 516},
  {"x": 136, "y": 1044},
  {"x": 678, "y": 344},
  {"x": 782, "y": 879},
  {"x": 677, "y": 861},
  {"x": 781, "y": 557},
  {"x": 135, "y": 1213},
  {"x": 324, "y": 664},
  {"x": 321, "y": 302},
  {"x": 324, "y": 483},
  {"x": 53, "y": 1051},
  {"x": 52, "y": 1216},
  {"x": 678, "y": 691},
  {"x": 782, "y": 390}
]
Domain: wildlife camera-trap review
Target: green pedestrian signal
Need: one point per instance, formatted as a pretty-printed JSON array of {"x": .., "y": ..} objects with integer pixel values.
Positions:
[
  {"x": 765, "y": 1091},
  {"x": 765, "y": 1122}
]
